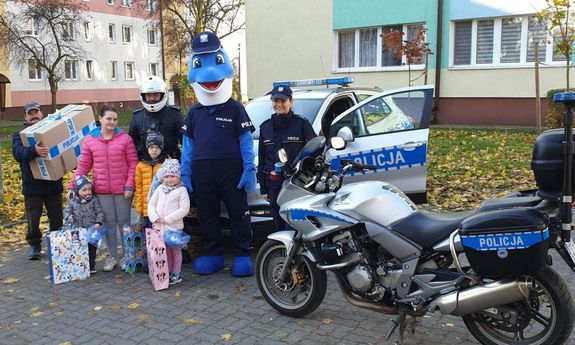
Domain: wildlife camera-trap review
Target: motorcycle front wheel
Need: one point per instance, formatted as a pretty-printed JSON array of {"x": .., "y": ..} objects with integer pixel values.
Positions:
[
  {"x": 301, "y": 293},
  {"x": 544, "y": 318}
]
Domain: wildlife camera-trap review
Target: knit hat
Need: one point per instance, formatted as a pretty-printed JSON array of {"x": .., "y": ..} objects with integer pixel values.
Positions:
[
  {"x": 155, "y": 138},
  {"x": 80, "y": 181},
  {"x": 171, "y": 167}
]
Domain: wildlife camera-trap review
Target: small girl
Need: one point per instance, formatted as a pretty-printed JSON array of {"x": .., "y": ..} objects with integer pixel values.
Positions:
[
  {"x": 84, "y": 210},
  {"x": 167, "y": 208},
  {"x": 145, "y": 171}
]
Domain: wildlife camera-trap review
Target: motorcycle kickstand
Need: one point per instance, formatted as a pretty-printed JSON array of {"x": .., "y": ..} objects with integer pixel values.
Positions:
[{"x": 398, "y": 321}]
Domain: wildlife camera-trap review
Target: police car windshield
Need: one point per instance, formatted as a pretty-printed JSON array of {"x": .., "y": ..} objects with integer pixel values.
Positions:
[{"x": 261, "y": 109}]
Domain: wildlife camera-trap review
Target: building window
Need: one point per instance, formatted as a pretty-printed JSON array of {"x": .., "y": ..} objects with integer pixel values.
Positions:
[
  {"x": 87, "y": 31},
  {"x": 70, "y": 70},
  {"x": 154, "y": 69},
  {"x": 34, "y": 70},
  {"x": 364, "y": 49},
  {"x": 129, "y": 70},
  {"x": 508, "y": 41},
  {"x": 114, "y": 70},
  {"x": 150, "y": 5},
  {"x": 126, "y": 34},
  {"x": 126, "y": 3},
  {"x": 33, "y": 26},
  {"x": 151, "y": 37},
  {"x": 111, "y": 33},
  {"x": 110, "y": 2},
  {"x": 68, "y": 30},
  {"x": 89, "y": 69}
]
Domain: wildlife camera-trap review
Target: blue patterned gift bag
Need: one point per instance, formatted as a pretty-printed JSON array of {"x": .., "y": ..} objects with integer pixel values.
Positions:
[
  {"x": 135, "y": 259},
  {"x": 68, "y": 255}
]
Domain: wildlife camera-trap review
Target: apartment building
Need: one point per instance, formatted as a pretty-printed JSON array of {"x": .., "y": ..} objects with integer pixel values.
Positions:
[{"x": 122, "y": 46}]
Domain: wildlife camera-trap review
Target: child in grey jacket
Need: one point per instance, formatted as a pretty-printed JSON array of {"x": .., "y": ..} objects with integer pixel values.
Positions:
[{"x": 84, "y": 210}]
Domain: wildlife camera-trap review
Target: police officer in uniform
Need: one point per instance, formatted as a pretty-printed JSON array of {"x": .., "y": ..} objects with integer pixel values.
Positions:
[
  {"x": 156, "y": 116},
  {"x": 283, "y": 130}
]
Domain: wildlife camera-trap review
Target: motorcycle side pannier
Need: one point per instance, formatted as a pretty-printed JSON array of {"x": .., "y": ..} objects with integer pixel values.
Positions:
[
  {"x": 547, "y": 163},
  {"x": 505, "y": 242}
]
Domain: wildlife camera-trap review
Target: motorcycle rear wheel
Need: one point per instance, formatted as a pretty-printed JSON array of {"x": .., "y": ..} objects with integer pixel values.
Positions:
[
  {"x": 303, "y": 291},
  {"x": 545, "y": 318}
]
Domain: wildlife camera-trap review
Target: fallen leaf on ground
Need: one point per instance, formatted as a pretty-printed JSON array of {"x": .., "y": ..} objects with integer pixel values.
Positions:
[
  {"x": 35, "y": 312},
  {"x": 59, "y": 313},
  {"x": 52, "y": 304},
  {"x": 301, "y": 324},
  {"x": 143, "y": 318},
  {"x": 133, "y": 306},
  {"x": 98, "y": 307},
  {"x": 115, "y": 307},
  {"x": 178, "y": 294},
  {"x": 241, "y": 288},
  {"x": 449, "y": 324},
  {"x": 9, "y": 291},
  {"x": 327, "y": 321},
  {"x": 192, "y": 321},
  {"x": 65, "y": 343},
  {"x": 9, "y": 280},
  {"x": 47, "y": 277},
  {"x": 226, "y": 336}
]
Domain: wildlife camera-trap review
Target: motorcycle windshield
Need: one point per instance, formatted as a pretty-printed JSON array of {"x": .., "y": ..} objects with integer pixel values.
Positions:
[{"x": 313, "y": 148}]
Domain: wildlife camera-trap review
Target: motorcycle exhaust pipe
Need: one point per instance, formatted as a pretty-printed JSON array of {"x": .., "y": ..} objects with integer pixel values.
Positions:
[{"x": 479, "y": 298}]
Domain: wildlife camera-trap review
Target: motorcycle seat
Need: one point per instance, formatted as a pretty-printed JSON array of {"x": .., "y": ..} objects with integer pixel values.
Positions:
[
  {"x": 427, "y": 228},
  {"x": 501, "y": 203}
]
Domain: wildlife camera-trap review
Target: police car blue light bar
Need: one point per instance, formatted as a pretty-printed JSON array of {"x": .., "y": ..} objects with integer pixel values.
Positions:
[
  {"x": 344, "y": 81},
  {"x": 564, "y": 97}
]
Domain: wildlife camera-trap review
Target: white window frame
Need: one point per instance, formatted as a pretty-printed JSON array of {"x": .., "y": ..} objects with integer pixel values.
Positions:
[
  {"x": 35, "y": 72},
  {"x": 379, "y": 45},
  {"x": 87, "y": 31},
  {"x": 111, "y": 2},
  {"x": 114, "y": 70},
  {"x": 70, "y": 70},
  {"x": 497, "y": 25},
  {"x": 126, "y": 3},
  {"x": 113, "y": 28},
  {"x": 154, "y": 66},
  {"x": 131, "y": 69},
  {"x": 130, "y": 33},
  {"x": 68, "y": 30},
  {"x": 89, "y": 69},
  {"x": 33, "y": 26},
  {"x": 150, "y": 5},
  {"x": 152, "y": 34}
]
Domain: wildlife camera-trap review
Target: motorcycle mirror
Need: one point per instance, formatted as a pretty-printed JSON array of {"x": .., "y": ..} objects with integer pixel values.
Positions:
[
  {"x": 282, "y": 155},
  {"x": 337, "y": 143},
  {"x": 346, "y": 134}
]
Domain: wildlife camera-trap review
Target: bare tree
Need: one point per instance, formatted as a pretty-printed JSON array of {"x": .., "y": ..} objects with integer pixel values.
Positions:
[
  {"x": 414, "y": 50},
  {"x": 556, "y": 17},
  {"x": 184, "y": 19},
  {"x": 41, "y": 35}
]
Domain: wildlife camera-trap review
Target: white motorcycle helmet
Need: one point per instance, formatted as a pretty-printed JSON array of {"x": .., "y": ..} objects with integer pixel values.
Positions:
[{"x": 154, "y": 84}]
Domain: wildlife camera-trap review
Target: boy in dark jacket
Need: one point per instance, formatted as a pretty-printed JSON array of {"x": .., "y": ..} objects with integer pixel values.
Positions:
[
  {"x": 37, "y": 193},
  {"x": 84, "y": 210}
]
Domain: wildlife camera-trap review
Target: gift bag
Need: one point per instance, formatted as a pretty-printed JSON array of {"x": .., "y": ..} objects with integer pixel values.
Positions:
[
  {"x": 157, "y": 259},
  {"x": 68, "y": 255},
  {"x": 135, "y": 258}
]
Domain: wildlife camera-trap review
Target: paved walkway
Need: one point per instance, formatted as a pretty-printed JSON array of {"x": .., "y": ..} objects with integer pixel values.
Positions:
[{"x": 116, "y": 308}]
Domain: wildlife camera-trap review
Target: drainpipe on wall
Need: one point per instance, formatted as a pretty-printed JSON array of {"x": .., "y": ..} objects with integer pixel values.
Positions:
[{"x": 435, "y": 108}]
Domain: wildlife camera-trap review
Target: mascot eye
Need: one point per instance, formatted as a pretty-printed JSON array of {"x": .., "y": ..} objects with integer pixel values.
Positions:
[
  {"x": 196, "y": 63},
  {"x": 220, "y": 60}
]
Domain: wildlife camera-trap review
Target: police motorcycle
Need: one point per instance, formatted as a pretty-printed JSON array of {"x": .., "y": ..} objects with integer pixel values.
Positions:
[{"x": 490, "y": 266}]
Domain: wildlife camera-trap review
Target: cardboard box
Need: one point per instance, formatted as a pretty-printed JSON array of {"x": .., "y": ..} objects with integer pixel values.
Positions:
[
  {"x": 62, "y": 130},
  {"x": 54, "y": 169}
]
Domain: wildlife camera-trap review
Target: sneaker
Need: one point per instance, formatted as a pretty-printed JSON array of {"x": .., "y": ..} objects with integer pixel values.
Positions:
[
  {"x": 93, "y": 271},
  {"x": 175, "y": 278},
  {"x": 35, "y": 250},
  {"x": 110, "y": 264}
]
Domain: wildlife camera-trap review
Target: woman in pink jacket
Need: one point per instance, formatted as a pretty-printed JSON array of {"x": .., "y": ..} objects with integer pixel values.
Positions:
[
  {"x": 167, "y": 208},
  {"x": 111, "y": 155}
]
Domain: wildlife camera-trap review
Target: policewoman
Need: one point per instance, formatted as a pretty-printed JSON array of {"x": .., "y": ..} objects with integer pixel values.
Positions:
[
  {"x": 218, "y": 157},
  {"x": 283, "y": 130},
  {"x": 156, "y": 117}
]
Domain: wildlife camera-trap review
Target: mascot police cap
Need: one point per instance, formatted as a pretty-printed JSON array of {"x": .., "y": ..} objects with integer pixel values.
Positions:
[{"x": 210, "y": 70}]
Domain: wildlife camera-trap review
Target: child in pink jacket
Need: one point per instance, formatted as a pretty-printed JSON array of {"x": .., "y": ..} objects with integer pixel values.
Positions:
[{"x": 167, "y": 208}]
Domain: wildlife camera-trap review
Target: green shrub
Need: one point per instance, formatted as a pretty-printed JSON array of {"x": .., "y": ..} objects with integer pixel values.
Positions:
[{"x": 554, "y": 118}]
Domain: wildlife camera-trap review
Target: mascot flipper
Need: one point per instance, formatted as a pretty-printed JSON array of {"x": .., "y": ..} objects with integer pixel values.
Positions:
[{"x": 219, "y": 148}]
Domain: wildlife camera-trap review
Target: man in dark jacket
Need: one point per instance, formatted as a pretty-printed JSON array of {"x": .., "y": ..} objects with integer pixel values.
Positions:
[
  {"x": 37, "y": 193},
  {"x": 156, "y": 116}
]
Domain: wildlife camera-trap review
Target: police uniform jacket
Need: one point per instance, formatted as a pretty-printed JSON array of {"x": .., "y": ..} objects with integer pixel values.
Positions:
[
  {"x": 291, "y": 135},
  {"x": 30, "y": 185},
  {"x": 168, "y": 122},
  {"x": 216, "y": 130}
]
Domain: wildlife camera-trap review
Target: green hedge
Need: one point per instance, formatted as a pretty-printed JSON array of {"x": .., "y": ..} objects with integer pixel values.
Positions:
[{"x": 554, "y": 118}]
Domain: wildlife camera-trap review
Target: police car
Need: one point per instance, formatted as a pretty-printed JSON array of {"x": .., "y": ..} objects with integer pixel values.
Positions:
[{"x": 390, "y": 130}]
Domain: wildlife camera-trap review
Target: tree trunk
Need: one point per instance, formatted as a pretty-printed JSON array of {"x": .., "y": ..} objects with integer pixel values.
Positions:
[
  {"x": 53, "y": 90},
  {"x": 537, "y": 93}
]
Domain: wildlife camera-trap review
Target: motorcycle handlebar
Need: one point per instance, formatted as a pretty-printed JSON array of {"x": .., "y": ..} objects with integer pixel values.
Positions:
[{"x": 358, "y": 166}]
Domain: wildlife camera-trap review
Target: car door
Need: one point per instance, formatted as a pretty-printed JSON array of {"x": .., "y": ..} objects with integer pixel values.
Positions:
[{"x": 391, "y": 131}]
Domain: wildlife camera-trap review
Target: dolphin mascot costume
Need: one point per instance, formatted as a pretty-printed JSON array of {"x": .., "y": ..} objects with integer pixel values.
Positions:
[{"x": 218, "y": 157}]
